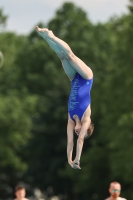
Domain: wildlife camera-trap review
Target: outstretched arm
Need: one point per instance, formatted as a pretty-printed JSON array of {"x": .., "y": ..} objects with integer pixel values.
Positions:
[
  {"x": 80, "y": 141},
  {"x": 70, "y": 143}
]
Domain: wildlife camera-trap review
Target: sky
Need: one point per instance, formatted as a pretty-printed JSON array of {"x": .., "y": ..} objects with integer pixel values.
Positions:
[{"x": 24, "y": 15}]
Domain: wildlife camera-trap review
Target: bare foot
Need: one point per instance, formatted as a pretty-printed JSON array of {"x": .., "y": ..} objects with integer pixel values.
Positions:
[{"x": 44, "y": 32}]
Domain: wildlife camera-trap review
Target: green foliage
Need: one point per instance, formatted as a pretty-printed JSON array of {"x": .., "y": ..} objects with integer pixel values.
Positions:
[
  {"x": 3, "y": 18},
  {"x": 16, "y": 108},
  {"x": 33, "y": 104}
]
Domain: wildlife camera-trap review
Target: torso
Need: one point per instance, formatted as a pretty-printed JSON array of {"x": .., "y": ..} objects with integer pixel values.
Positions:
[{"x": 79, "y": 99}]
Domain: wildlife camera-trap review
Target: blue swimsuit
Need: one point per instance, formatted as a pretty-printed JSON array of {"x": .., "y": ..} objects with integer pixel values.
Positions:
[{"x": 79, "y": 98}]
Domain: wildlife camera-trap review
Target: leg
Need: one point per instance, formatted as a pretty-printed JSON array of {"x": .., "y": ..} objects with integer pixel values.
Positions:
[
  {"x": 69, "y": 70},
  {"x": 75, "y": 62}
]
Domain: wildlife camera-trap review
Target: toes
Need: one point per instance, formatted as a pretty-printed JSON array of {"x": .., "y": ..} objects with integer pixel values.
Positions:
[
  {"x": 37, "y": 27},
  {"x": 42, "y": 30}
]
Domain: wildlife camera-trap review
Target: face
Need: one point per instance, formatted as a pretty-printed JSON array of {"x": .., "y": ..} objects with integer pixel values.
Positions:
[
  {"x": 20, "y": 194},
  {"x": 77, "y": 131},
  {"x": 115, "y": 190}
]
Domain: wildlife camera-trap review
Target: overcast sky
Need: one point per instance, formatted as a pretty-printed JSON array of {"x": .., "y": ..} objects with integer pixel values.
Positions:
[{"x": 25, "y": 14}]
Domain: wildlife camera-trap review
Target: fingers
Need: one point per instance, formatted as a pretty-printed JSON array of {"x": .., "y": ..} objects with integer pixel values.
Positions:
[
  {"x": 76, "y": 166},
  {"x": 71, "y": 164}
]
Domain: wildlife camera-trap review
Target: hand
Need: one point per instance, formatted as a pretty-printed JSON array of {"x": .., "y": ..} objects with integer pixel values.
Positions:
[
  {"x": 76, "y": 164},
  {"x": 70, "y": 163}
]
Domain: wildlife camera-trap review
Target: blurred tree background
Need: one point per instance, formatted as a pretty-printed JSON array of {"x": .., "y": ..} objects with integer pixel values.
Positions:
[{"x": 33, "y": 108}]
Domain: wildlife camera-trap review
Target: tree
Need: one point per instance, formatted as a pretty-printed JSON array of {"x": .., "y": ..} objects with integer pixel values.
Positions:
[
  {"x": 3, "y": 18},
  {"x": 16, "y": 109},
  {"x": 33, "y": 82},
  {"x": 49, "y": 158}
]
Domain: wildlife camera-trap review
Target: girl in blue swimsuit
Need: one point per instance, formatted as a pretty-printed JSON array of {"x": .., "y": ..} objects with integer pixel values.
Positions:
[{"x": 79, "y": 109}]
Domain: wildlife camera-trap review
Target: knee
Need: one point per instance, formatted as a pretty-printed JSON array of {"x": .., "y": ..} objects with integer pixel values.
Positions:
[{"x": 70, "y": 56}]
